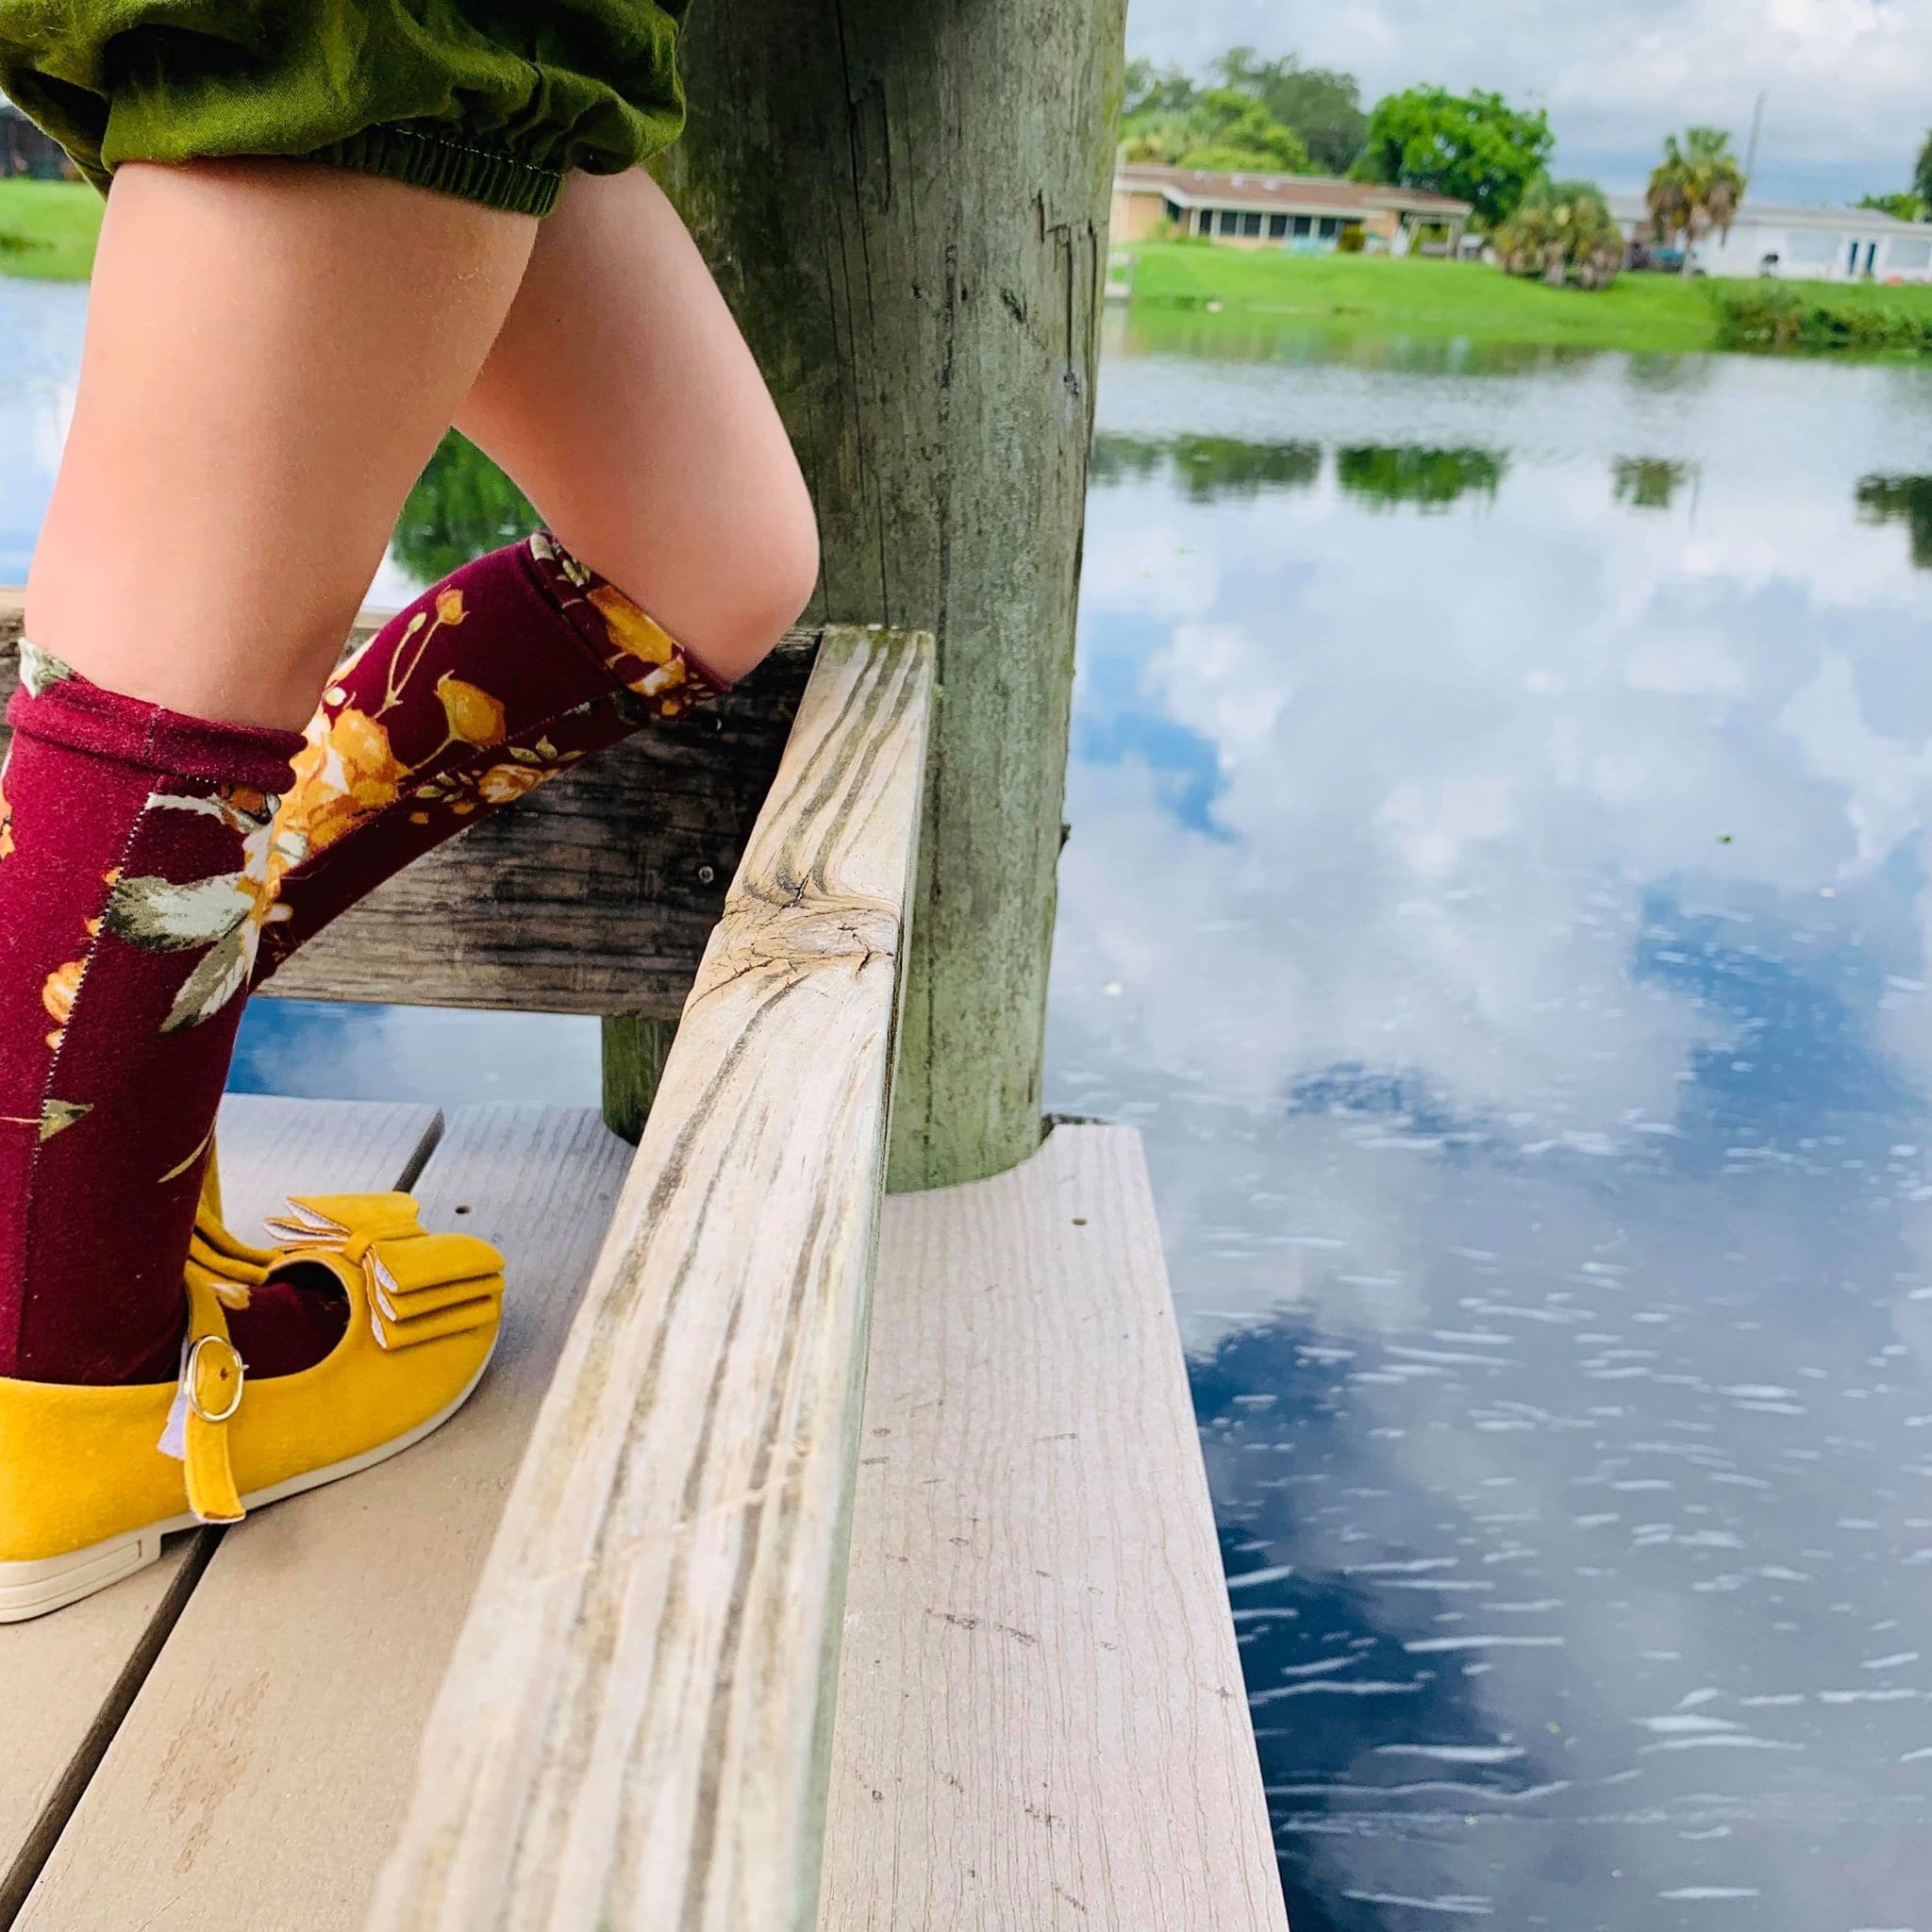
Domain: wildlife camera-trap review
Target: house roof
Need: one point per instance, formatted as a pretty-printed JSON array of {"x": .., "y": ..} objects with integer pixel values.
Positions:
[
  {"x": 1772, "y": 214},
  {"x": 1295, "y": 194}
]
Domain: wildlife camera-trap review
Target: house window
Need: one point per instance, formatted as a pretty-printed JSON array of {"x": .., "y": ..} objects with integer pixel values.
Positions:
[
  {"x": 1814, "y": 247},
  {"x": 1230, "y": 221},
  {"x": 1251, "y": 223},
  {"x": 1330, "y": 227},
  {"x": 1910, "y": 254},
  {"x": 1304, "y": 225},
  {"x": 1277, "y": 227}
]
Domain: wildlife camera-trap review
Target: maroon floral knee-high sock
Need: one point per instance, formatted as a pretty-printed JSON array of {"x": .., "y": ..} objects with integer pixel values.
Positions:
[
  {"x": 509, "y": 671},
  {"x": 136, "y": 865}
]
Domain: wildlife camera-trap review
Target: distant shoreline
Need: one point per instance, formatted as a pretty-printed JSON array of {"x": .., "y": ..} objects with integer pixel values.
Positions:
[
  {"x": 1423, "y": 297},
  {"x": 48, "y": 231}
]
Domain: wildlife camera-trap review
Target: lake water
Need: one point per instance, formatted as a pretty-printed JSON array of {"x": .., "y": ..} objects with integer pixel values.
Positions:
[{"x": 1498, "y": 891}]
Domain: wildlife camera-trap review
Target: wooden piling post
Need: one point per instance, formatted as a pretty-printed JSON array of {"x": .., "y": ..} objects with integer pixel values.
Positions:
[{"x": 906, "y": 206}]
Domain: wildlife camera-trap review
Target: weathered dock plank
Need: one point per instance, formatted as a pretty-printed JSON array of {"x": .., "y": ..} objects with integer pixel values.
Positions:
[
  {"x": 1041, "y": 1721},
  {"x": 261, "y": 1775},
  {"x": 596, "y": 895},
  {"x": 635, "y": 1726},
  {"x": 66, "y": 1680}
]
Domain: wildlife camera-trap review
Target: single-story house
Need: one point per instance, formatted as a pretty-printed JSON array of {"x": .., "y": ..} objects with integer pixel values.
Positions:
[
  {"x": 1812, "y": 244},
  {"x": 1304, "y": 212}
]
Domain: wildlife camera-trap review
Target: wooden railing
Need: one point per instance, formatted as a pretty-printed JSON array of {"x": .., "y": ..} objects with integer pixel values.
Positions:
[{"x": 636, "y": 1725}]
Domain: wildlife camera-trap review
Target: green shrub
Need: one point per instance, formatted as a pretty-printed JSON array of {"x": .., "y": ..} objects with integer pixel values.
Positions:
[
  {"x": 1564, "y": 233},
  {"x": 1776, "y": 316}
]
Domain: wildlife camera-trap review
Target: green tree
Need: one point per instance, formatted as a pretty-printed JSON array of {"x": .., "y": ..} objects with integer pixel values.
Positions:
[
  {"x": 1208, "y": 467},
  {"x": 1223, "y": 129},
  {"x": 1647, "y": 482},
  {"x": 1564, "y": 232},
  {"x": 1153, "y": 90},
  {"x": 1902, "y": 208},
  {"x": 1694, "y": 189},
  {"x": 1922, "y": 171},
  {"x": 462, "y": 505},
  {"x": 1323, "y": 105},
  {"x": 1906, "y": 500},
  {"x": 1211, "y": 467},
  {"x": 1473, "y": 146}
]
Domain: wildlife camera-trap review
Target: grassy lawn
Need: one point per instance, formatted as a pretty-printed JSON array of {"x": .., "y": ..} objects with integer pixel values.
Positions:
[
  {"x": 47, "y": 229},
  {"x": 1373, "y": 295},
  {"x": 1414, "y": 296}
]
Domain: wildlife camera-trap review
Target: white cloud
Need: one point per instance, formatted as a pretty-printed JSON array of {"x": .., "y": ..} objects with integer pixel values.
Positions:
[{"x": 1849, "y": 82}]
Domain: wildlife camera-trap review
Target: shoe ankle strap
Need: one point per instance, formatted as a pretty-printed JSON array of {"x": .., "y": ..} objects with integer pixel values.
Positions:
[{"x": 208, "y": 1398}]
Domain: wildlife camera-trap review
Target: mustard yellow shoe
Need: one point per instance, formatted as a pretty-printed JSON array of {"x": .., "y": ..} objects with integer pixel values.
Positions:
[{"x": 92, "y": 1479}]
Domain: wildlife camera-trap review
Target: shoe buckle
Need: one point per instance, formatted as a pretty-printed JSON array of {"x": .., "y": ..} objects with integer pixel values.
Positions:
[{"x": 191, "y": 1377}]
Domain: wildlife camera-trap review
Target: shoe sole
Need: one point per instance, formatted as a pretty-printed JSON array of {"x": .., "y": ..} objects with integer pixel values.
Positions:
[{"x": 35, "y": 1589}]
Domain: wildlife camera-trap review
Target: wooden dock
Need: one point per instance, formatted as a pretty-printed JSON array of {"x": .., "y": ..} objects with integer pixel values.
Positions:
[
  {"x": 759, "y": 1447},
  {"x": 1041, "y": 1720},
  {"x": 811, "y": 1561}
]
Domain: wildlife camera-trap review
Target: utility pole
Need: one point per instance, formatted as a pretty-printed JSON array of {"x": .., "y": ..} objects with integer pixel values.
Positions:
[{"x": 1751, "y": 153}]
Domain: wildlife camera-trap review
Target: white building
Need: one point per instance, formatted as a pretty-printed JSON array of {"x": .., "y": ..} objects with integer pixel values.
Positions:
[{"x": 1808, "y": 244}]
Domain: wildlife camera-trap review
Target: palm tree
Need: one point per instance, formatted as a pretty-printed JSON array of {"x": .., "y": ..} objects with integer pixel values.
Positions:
[
  {"x": 1564, "y": 232},
  {"x": 1694, "y": 189}
]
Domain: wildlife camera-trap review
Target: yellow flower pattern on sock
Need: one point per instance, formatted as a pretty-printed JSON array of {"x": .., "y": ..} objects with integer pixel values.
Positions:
[{"x": 492, "y": 683}]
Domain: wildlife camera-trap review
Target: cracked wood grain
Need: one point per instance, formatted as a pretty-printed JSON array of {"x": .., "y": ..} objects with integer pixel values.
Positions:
[{"x": 634, "y": 1727}]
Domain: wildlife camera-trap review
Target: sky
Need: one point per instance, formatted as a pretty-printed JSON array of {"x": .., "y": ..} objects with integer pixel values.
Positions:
[{"x": 1848, "y": 83}]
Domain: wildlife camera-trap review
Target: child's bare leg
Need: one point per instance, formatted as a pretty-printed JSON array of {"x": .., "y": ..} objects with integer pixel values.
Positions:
[
  {"x": 273, "y": 350},
  {"x": 622, "y": 397}
]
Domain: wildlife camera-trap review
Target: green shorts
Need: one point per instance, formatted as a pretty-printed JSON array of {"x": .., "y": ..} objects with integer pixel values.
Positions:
[{"x": 495, "y": 100}]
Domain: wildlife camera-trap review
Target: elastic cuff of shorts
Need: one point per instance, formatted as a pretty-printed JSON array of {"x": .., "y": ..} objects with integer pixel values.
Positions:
[{"x": 449, "y": 166}]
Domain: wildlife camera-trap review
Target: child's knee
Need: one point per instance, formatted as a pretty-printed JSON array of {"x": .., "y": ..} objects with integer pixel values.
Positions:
[{"x": 764, "y": 581}]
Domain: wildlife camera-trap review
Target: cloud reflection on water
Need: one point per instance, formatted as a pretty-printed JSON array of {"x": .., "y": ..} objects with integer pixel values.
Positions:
[
  {"x": 1507, "y": 925},
  {"x": 1498, "y": 890}
]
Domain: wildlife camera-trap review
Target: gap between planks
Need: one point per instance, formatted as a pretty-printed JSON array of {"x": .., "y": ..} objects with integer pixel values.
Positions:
[{"x": 68, "y": 1680}]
